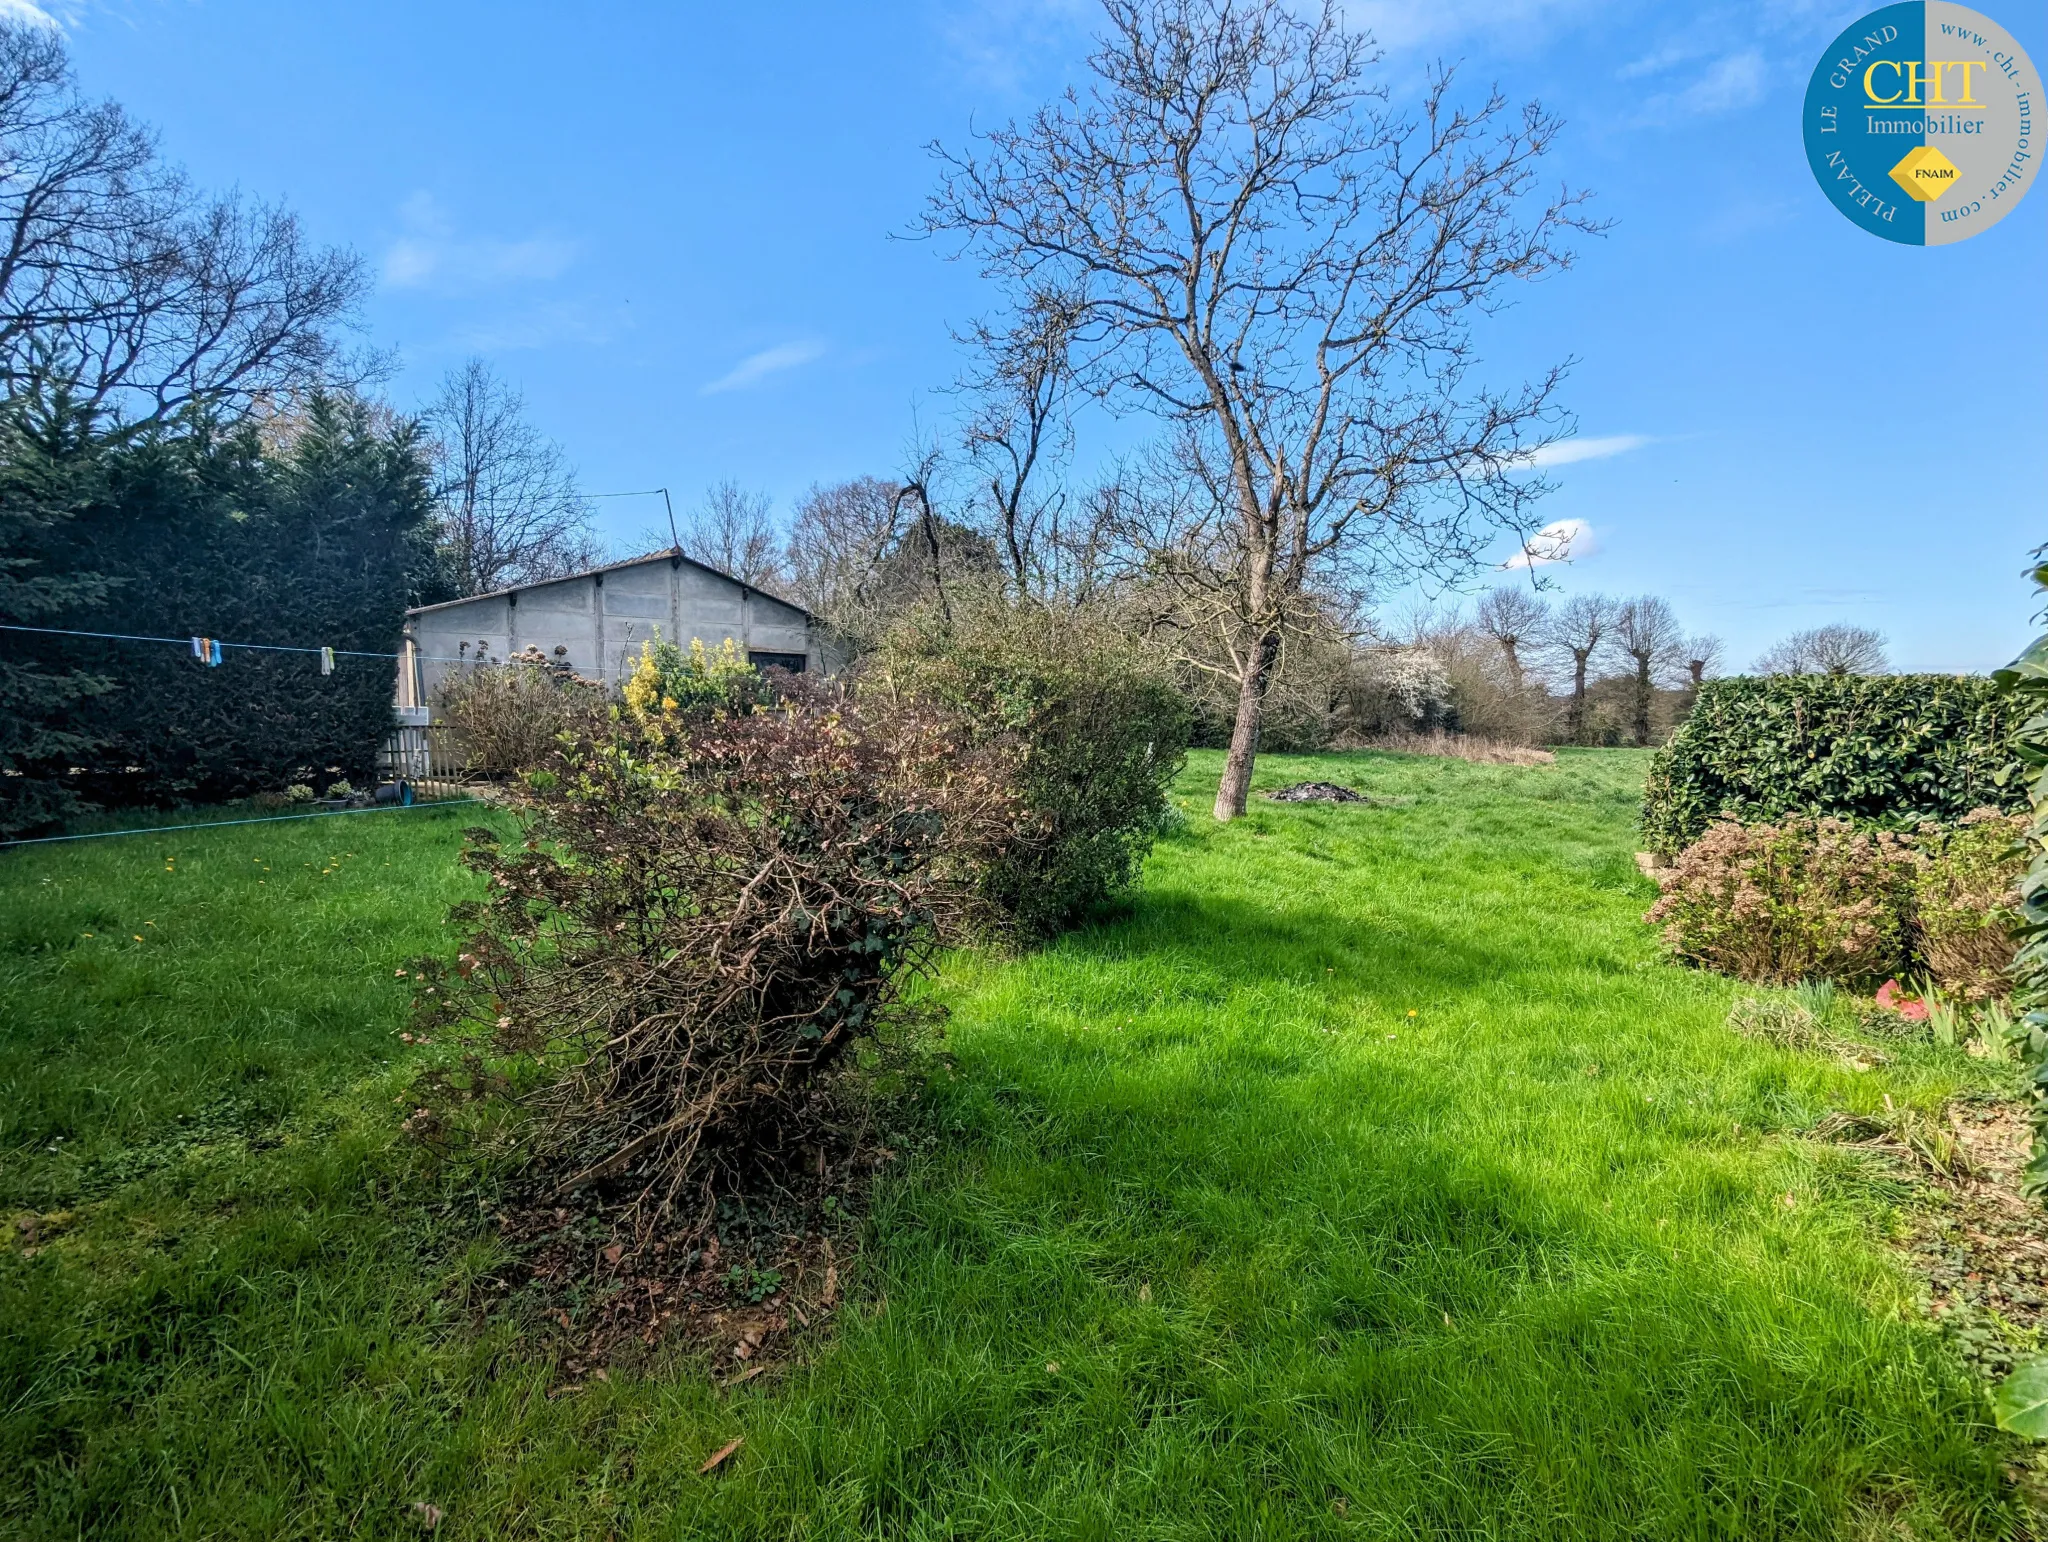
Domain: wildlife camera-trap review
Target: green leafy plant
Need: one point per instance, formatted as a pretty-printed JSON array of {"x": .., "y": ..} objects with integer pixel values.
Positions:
[
  {"x": 753, "y": 1285},
  {"x": 1893, "y": 750},
  {"x": 1103, "y": 731},
  {"x": 2021, "y": 1401},
  {"x": 2025, "y": 681}
]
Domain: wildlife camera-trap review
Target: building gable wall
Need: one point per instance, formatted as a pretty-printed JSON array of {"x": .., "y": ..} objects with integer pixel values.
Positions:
[{"x": 597, "y": 622}]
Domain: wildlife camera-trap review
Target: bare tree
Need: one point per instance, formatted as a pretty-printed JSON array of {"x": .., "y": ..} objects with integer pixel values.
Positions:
[
  {"x": 1835, "y": 649},
  {"x": 1703, "y": 655},
  {"x": 1267, "y": 252},
  {"x": 1577, "y": 631},
  {"x": 115, "y": 273},
  {"x": 838, "y": 542},
  {"x": 1649, "y": 634},
  {"x": 734, "y": 531},
  {"x": 1020, "y": 430},
  {"x": 509, "y": 508},
  {"x": 1514, "y": 618}
]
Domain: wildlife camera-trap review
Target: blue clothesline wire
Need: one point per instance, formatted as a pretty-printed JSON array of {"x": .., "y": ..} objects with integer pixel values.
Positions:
[
  {"x": 186, "y": 642},
  {"x": 220, "y": 824}
]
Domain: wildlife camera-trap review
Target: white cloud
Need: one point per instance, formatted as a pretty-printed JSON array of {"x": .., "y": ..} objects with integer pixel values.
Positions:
[
  {"x": 431, "y": 253},
  {"x": 540, "y": 326},
  {"x": 1566, "y": 451},
  {"x": 1563, "y": 540},
  {"x": 1659, "y": 60},
  {"x": 756, "y": 367},
  {"x": 1729, "y": 83},
  {"x": 28, "y": 12}
]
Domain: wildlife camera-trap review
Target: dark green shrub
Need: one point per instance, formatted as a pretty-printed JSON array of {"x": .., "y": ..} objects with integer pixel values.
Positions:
[
  {"x": 1104, "y": 732},
  {"x": 1885, "y": 749}
]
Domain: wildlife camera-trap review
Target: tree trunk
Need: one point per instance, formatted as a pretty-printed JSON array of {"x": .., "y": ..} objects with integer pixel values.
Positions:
[
  {"x": 1575, "y": 715},
  {"x": 1642, "y": 722},
  {"x": 1236, "y": 785}
]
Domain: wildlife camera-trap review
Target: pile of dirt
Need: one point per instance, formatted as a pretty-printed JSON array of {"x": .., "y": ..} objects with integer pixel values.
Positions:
[{"x": 1316, "y": 792}]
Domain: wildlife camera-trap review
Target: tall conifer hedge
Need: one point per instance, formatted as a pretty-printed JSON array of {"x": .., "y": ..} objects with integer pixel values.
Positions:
[{"x": 312, "y": 533}]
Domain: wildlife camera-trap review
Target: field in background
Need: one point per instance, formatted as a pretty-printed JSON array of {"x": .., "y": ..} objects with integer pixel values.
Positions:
[{"x": 1370, "y": 1175}]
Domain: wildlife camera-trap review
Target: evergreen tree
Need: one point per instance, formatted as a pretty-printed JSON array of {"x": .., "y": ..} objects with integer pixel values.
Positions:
[
  {"x": 309, "y": 532},
  {"x": 50, "y": 472}
]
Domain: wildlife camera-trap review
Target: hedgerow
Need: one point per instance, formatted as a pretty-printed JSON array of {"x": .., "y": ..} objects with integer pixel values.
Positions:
[
  {"x": 311, "y": 534},
  {"x": 1886, "y": 750}
]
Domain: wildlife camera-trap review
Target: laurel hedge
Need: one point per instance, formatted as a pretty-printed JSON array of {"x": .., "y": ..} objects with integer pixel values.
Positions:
[{"x": 1890, "y": 750}]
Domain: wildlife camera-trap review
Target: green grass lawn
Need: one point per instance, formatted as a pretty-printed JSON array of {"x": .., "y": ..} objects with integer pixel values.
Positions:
[{"x": 1370, "y": 1176}]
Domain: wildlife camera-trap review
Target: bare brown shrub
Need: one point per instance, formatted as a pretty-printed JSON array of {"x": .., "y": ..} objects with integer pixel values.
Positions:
[
  {"x": 1803, "y": 899},
  {"x": 708, "y": 912},
  {"x": 1966, "y": 902},
  {"x": 496, "y": 720}
]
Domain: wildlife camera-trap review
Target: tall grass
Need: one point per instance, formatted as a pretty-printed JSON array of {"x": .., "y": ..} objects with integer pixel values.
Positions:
[{"x": 1370, "y": 1176}]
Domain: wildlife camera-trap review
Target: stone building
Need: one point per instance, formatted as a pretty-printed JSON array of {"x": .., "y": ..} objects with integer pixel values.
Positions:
[{"x": 595, "y": 622}]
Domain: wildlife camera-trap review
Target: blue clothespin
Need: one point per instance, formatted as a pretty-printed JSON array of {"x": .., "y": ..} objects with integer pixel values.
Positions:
[{"x": 213, "y": 653}]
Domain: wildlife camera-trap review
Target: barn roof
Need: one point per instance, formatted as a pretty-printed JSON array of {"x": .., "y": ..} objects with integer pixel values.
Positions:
[{"x": 674, "y": 556}]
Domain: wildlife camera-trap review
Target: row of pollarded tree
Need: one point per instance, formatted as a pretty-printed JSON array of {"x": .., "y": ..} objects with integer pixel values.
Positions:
[{"x": 1590, "y": 670}]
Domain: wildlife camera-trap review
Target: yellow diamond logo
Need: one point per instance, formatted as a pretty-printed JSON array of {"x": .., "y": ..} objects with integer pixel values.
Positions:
[{"x": 1925, "y": 173}]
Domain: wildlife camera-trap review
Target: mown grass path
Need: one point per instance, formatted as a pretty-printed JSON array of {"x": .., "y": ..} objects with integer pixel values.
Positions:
[{"x": 1370, "y": 1177}]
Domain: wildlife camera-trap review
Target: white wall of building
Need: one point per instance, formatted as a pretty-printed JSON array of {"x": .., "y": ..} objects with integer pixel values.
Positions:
[{"x": 596, "y": 622}]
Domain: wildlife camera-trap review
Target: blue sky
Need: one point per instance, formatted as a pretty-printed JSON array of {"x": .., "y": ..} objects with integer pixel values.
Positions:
[{"x": 672, "y": 226}]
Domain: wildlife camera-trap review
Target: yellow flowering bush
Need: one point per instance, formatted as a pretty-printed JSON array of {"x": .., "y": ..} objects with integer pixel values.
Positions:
[{"x": 669, "y": 680}]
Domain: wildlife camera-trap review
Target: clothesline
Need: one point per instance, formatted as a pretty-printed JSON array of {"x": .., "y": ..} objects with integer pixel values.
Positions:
[{"x": 189, "y": 642}]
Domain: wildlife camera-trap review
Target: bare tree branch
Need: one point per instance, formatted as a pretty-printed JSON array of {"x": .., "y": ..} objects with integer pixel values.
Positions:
[
  {"x": 115, "y": 272},
  {"x": 508, "y": 505},
  {"x": 734, "y": 531},
  {"x": 1835, "y": 649}
]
